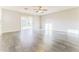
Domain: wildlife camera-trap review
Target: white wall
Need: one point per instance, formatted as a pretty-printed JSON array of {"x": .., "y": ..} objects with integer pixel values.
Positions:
[
  {"x": 0, "y": 21},
  {"x": 0, "y": 28},
  {"x": 36, "y": 23},
  {"x": 63, "y": 20},
  {"x": 11, "y": 21}
]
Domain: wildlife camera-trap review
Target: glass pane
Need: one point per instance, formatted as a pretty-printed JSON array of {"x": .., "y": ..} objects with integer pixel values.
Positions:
[{"x": 26, "y": 22}]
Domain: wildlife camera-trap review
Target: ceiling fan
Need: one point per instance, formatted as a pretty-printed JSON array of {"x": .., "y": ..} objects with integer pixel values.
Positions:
[{"x": 40, "y": 9}]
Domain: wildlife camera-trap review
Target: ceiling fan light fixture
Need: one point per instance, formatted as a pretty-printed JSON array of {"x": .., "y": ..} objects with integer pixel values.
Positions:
[{"x": 40, "y": 9}]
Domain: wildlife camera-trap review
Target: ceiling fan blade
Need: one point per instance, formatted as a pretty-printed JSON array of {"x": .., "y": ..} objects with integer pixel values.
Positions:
[{"x": 44, "y": 9}]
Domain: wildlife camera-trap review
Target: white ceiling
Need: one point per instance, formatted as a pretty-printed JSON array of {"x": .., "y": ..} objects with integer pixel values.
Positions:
[{"x": 51, "y": 9}]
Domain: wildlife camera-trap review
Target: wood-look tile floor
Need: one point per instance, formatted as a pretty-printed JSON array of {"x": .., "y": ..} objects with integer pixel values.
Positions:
[{"x": 28, "y": 41}]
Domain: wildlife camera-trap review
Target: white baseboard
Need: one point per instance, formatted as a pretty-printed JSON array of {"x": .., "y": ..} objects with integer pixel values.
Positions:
[{"x": 10, "y": 31}]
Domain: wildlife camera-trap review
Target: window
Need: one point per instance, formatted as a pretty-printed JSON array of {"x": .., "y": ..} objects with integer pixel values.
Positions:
[
  {"x": 73, "y": 31},
  {"x": 26, "y": 22},
  {"x": 48, "y": 28}
]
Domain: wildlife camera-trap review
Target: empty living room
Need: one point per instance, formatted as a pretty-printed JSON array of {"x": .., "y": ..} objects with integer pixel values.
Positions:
[{"x": 39, "y": 29}]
